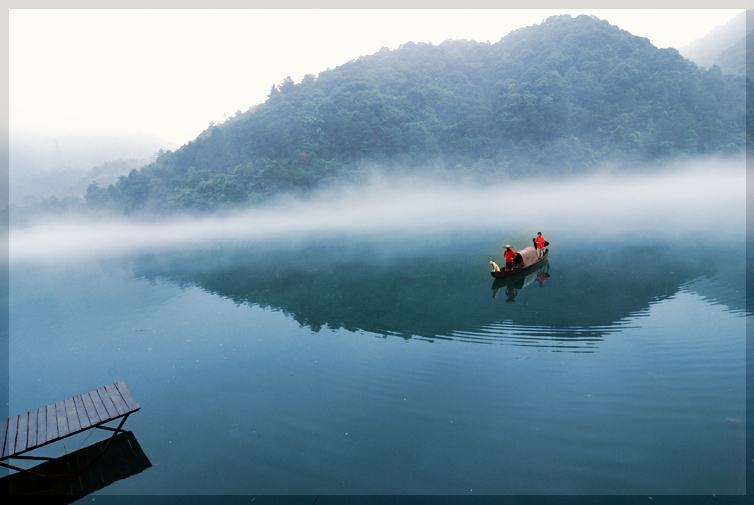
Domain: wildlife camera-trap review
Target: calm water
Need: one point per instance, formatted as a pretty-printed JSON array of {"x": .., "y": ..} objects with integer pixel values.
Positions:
[{"x": 376, "y": 365}]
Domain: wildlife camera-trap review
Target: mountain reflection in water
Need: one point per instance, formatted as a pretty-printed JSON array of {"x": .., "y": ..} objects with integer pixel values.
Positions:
[
  {"x": 438, "y": 289},
  {"x": 341, "y": 366}
]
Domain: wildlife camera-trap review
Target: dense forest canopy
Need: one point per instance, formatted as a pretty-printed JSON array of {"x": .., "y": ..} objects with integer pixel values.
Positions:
[{"x": 562, "y": 97}]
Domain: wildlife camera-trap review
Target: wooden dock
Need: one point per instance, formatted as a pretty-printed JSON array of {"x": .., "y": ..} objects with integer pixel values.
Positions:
[{"x": 56, "y": 421}]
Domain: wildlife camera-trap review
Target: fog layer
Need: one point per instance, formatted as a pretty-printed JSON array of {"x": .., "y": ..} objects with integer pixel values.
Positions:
[{"x": 705, "y": 199}]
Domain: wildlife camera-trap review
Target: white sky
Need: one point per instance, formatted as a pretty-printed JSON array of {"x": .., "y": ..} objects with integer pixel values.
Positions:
[{"x": 170, "y": 72}]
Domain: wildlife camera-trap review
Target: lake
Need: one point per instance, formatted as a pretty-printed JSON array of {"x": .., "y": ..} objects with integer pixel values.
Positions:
[{"x": 389, "y": 362}]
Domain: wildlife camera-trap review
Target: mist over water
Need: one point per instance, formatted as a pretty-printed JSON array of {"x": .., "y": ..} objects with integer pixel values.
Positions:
[
  {"x": 355, "y": 335},
  {"x": 707, "y": 197}
]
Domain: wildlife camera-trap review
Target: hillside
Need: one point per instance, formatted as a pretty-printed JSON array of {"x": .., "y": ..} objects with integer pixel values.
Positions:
[{"x": 561, "y": 97}]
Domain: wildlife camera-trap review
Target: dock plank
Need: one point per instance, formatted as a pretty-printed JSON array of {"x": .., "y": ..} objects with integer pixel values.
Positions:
[
  {"x": 4, "y": 431},
  {"x": 97, "y": 401},
  {"x": 10, "y": 438},
  {"x": 73, "y": 417},
  {"x": 120, "y": 404},
  {"x": 91, "y": 410},
  {"x": 52, "y": 423},
  {"x": 112, "y": 412},
  {"x": 22, "y": 431},
  {"x": 61, "y": 419},
  {"x": 81, "y": 411},
  {"x": 41, "y": 425},
  {"x": 32, "y": 436},
  {"x": 127, "y": 397}
]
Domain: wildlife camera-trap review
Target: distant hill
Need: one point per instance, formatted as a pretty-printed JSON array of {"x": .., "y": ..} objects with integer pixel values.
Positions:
[
  {"x": 65, "y": 163},
  {"x": 725, "y": 46},
  {"x": 49, "y": 173},
  {"x": 48, "y": 152},
  {"x": 30, "y": 187},
  {"x": 558, "y": 98}
]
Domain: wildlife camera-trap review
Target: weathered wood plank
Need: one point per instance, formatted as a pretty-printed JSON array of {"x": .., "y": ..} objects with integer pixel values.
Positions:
[
  {"x": 52, "y": 423},
  {"x": 127, "y": 397},
  {"x": 61, "y": 419},
  {"x": 10, "y": 438},
  {"x": 112, "y": 412},
  {"x": 4, "y": 432},
  {"x": 22, "y": 432},
  {"x": 91, "y": 410},
  {"x": 32, "y": 440},
  {"x": 41, "y": 425},
  {"x": 101, "y": 410},
  {"x": 117, "y": 400},
  {"x": 72, "y": 416},
  {"x": 81, "y": 411}
]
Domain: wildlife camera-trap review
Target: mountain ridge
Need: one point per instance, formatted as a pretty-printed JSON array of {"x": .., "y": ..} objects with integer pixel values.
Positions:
[
  {"x": 559, "y": 98},
  {"x": 725, "y": 46}
]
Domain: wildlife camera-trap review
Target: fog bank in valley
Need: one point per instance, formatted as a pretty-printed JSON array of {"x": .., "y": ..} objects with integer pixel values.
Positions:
[{"x": 705, "y": 198}]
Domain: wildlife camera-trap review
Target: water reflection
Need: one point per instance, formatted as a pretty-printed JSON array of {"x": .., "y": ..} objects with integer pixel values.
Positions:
[
  {"x": 415, "y": 289},
  {"x": 516, "y": 282},
  {"x": 82, "y": 472}
]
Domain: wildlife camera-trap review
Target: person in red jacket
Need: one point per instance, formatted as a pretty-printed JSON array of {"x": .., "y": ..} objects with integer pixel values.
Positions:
[
  {"x": 539, "y": 243},
  {"x": 509, "y": 255}
]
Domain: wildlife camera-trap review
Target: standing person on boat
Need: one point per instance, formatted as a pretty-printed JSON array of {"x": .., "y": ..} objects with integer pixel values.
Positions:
[
  {"x": 539, "y": 243},
  {"x": 509, "y": 255}
]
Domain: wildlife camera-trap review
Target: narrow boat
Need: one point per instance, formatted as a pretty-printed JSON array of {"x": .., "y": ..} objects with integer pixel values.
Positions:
[
  {"x": 522, "y": 279},
  {"x": 526, "y": 260}
]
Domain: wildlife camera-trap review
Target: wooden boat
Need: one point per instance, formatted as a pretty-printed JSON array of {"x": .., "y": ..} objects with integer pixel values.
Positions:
[
  {"x": 526, "y": 260},
  {"x": 522, "y": 279}
]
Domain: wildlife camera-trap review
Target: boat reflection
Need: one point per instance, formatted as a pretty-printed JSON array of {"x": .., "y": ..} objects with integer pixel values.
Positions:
[
  {"x": 517, "y": 282},
  {"x": 82, "y": 472}
]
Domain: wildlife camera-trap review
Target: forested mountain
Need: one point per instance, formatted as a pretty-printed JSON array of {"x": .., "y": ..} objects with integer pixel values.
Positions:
[{"x": 560, "y": 97}]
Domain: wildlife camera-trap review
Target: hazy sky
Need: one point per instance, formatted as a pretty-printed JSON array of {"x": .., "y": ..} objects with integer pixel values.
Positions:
[{"x": 171, "y": 72}]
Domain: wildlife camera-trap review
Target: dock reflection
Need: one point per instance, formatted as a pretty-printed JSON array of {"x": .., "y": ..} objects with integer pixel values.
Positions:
[{"x": 83, "y": 472}]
